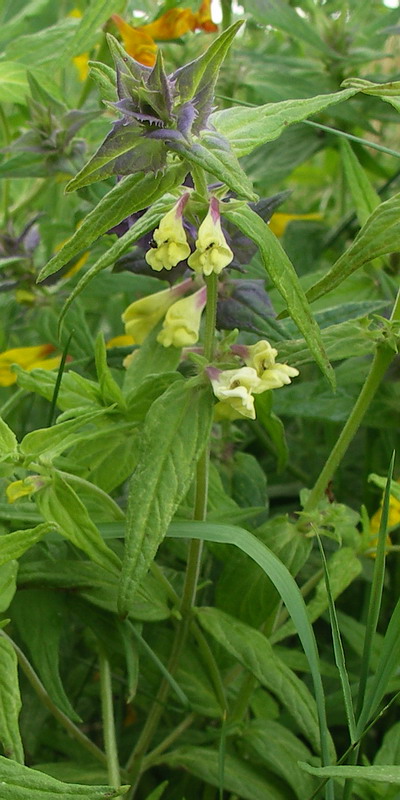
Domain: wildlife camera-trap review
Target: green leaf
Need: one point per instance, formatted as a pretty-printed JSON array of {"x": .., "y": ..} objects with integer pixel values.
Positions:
[
  {"x": 42, "y": 46},
  {"x": 213, "y": 154},
  {"x": 111, "y": 392},
  {"x": 39, "y": 616},
  {"x": 378, "y": 774},
  {"x": 199, "y": 74},
  {"x": 175, "y": 433},
  {"x": 274, "y": 428},
  {"x": 156, "y": 793},
  {"x": 378, "y": 237},
  {"x": 105, "y": 79},
  {"x": 240, "y": 777},
  {"x": 13, "y": 545},
  {"x": 23, "y": 783},
  {"x": 279, "y": 14},
  {"x": 280, "y": 750},
  {"x": 255, "y": 652},
  {"x": 8, "y": 441},
  {"x": 141, "y": 398},
  {"x": 344, "y": 567},
  {"x": 96, "y": 14},
  {"x": 61, "y": 505},
  {"x": 13, "y": 82},
  {"x": 75, "y": 390},
  {"x": 284, "y": 278},
  {"x": 248, "y": 128},
  {"x": 151, "y": 359},
  {"x": 287, "y": 588},
  {"x": 366, "y": 199},
  {"x": 389, "y": 751},
  {"x": 387, "y": 664},
  {"x": 128, "y": 196},
  {"x": 8, "y": 584},
  {"x": 50, "y": 442},
  {"x": 147, "y": 222},
  {"x": 10, "y": 702}
]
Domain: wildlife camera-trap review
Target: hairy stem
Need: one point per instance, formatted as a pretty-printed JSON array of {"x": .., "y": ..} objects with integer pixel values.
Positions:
[{"x": 107, "y": 710}]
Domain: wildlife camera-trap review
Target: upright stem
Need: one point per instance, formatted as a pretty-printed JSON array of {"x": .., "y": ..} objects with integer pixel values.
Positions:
[
  {"x": 107, "y": 709},
  {"x": 383, "y": 357},
  {"x": 134, "y": 764}
]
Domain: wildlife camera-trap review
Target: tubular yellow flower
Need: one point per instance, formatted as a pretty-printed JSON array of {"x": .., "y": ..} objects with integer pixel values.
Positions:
[
  {"x": 124, "y": 340},
  {"x": 143, "y": 315},
  {"x": 261, "y": 356},
  {"x": 82, "y": 64},
  {"x": 212, "y": 253},
  {"x": 170, "y": 237},
  {"x": 174, "y": 23},
  {"x": 279, "y": 222},
  {"x": 203, "y": 18},
  {"x": 182, "y": 322},
  {"x": 234, "y": 387},
  {"x": 137, "y": 42},
  {"x": 28, "y": 358},
  {"x": 25, "y": 488}
]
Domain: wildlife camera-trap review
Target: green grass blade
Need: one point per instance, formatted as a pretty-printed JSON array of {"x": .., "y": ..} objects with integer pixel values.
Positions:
[
  {"x": 338, "y": 650},
  {"x": 288, "y": 590}
]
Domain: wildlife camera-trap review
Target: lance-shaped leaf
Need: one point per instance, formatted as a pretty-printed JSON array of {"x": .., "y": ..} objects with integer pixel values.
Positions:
[
  {"x": 213, "y": 153},
  {"x": 50, "y": 442},
  {"x": 96, "y": 14},
  {"x": 196, "y": 81},
  {"x": 254, "y": 651},
  {"x": 284, "y": 278},
  {"x": 248, "y": 128},
  {"x": 8, "y": 441},
  {"x": 128, "y": 196},
  {"x": 126, "y": 150},
  {"x": 14, "y": 545},
  {"x": 143, "y": 225},
  {"x": 39, "y": 617},
  {"x": 10, "y": 702},
  {"x": 60, "y": 504},
  {"x": 175, "y": 433},
  {"x": 378, "y": 237},
  {"x": 23, "y": 783}
]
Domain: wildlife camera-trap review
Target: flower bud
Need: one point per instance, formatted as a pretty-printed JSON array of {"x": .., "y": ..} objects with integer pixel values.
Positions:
[
  {"x": 143, "y": 315},
  {"x": 182, "y": 322},
  {"x": 170, "y": 237},
  {"x": 212, "y": 253}
]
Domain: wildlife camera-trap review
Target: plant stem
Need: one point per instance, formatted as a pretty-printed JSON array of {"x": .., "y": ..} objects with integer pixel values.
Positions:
[
  {"x": 6, "y": 183},
  {"x": 134, "y": 763},
  {"x": 152, "y": 757},
  {"x": 45, "y": 698},
  {"x": 226, "y": 6},
  {"x": 383, "y": 357},
  {"x": 107, "y": 711}
]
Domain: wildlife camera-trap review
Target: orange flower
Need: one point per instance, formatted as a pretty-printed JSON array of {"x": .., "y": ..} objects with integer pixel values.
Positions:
[
  {"x": 203, "y": 18},
  {"x": 139, "y": 42}
]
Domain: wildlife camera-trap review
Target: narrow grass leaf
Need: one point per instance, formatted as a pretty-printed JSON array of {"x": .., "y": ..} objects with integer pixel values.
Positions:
[
  {"x": 287, "y": 588},
  {"x": 375, "y": 599},
  {"x": 338, "y": 650},
  {"x": 375, "y": 774},
  {"x": 159, "y": 664}
]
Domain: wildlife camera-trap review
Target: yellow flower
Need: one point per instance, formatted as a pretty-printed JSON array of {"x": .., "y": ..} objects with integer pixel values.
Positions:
[
  {"x": 28, "y": 358},
  {"x": 143, "y": 315},
  {"x": 212, "y": 253},
  {"x": 25, "y": 488},
  {"x": 182, "y": 322},
  {"x": 279, "y": 222},
  {"x": 124, "y": 340},
  {"x": 170, "y": 237},
  {"x": 82, "y": 64},
  {"x": 261, "y": 356},
  {"x": 234, "y": 387},
  {"x": 393, "y": 516},
  {"x": 139, "y": 42}
]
